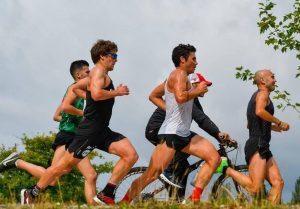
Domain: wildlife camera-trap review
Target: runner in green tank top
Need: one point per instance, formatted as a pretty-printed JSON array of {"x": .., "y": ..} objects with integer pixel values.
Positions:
[{"x": 69, "y": 113}]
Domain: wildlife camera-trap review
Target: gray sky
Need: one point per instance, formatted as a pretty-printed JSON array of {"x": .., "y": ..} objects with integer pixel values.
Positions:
[{"x": 39, "y": 40}]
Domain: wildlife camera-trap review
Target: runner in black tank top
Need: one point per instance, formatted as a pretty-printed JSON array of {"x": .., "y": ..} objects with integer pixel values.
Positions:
[
  {"x": 262, "y": 166},
  {"x": 259, "y": 131}
]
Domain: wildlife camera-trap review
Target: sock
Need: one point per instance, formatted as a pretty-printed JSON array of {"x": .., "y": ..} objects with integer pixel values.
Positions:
[
  {"x": 109, "y": 190},
  {"x": 126, "y": 199},
  {"x": 35, "y": 191},
  {"x": 196, "y": 195}
]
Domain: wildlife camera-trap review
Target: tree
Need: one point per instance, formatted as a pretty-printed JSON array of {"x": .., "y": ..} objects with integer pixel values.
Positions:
[
  {"x": 283, "y": 35},
  {"x": 38, "y": 151},
  {"x": 296, "y": 193}
]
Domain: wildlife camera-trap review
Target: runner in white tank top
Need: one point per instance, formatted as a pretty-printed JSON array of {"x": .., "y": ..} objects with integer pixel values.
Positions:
[{"x": 178, "y": 116}]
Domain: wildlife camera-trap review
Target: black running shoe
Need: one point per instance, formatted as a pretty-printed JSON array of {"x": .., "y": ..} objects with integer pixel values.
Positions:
[
  {"x": 9, "y": 162},
  {"x": 26, "y": 197},
  {"x": 102, "y": 199}
]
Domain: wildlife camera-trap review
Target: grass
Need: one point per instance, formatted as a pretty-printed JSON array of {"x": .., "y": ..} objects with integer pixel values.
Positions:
[{"x": 157, "y": 205}]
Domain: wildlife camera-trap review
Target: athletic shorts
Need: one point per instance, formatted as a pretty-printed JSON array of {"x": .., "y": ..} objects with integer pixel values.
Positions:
[
  {"x": 101, "y": 139},
  {"x": 63, "y": 138},
  {"x": 174, "y": 141},
  {"x": 253, "y": 145},
  {"x": 151, "y": 135}
]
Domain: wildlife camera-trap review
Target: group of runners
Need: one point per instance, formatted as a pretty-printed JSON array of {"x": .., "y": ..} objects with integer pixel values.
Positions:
[{"x": 177, "y": 100}]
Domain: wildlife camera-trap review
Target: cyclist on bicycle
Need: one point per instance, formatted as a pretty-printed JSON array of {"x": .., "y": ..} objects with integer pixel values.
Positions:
[
  {"x": 179, "y": 164},
  {"x": 258, "y": 156}
]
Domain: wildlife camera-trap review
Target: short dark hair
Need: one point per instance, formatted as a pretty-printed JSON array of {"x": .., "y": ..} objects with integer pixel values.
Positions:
[
  {"x": 102, "y": 48},
  {"x": 182, "y": 50},
  {"x": 77, "y": 65}
]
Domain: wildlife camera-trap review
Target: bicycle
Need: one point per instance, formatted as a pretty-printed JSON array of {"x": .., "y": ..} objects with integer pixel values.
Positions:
[{"x": 224, "y": 188}]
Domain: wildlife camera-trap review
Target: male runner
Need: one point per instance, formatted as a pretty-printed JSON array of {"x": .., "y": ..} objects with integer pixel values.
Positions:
[
  {"x": 175, "y": 134},
  {"x": 258, "y": 156},
  {"x": 179, "y": 164},
  {"x": 93, "y": 132},
  {"x": 69, "y": 113}
]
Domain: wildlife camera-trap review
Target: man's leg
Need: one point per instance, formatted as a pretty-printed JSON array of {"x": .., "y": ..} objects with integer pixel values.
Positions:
[
  {"x": 204, "y": 149},
  {"x": 275, "y": 179},
  {"x": 38, "y": 171},
  {"x": 90, "y": 175},
  {"x": 257, "y": 173},
  {"x": 160, "y": 159},
  {"x": 128, "y": 157}
]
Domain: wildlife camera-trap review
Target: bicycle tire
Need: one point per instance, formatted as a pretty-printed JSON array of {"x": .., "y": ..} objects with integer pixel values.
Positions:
[
  {"x": 154, "y": 191},
  {"x": 225, "y": 189}
]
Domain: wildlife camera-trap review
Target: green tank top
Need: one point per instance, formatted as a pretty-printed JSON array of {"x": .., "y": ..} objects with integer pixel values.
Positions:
[{"x": 69, "y": 123}]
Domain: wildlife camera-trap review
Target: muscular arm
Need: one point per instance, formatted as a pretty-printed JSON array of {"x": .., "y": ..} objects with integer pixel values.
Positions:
[
  {"x": 262, "y": 100},
  {"x": 67, "y": 106},
  {"x": 156, "y": 96},
  {"x": 80, "y": 88},
  {"x": 203, "y": 121},
  {"x": 182, "y": 94},
  {"x": 97, "y": 83}
]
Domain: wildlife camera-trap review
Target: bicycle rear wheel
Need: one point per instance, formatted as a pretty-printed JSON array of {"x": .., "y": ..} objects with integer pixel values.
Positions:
[
  {"x": 226, "y": 189},
  {"x": 154, "y": 191}
]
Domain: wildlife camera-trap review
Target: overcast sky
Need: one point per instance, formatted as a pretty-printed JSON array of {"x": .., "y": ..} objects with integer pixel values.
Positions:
[{"x": 39, "y": 40}]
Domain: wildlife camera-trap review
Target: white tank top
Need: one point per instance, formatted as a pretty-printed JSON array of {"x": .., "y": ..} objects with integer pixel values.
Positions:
[{"x": 178, "y": 116}]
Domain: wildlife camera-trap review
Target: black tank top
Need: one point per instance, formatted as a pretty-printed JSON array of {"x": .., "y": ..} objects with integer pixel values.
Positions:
[
  {"x": 99, "y": 110},
  {"x": 259, "y": 128}
]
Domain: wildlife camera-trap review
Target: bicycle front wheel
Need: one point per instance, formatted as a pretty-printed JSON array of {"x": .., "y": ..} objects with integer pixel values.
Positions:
[
  {"x": 226, "y": 189},
  {"x": 154, "y": 191}
]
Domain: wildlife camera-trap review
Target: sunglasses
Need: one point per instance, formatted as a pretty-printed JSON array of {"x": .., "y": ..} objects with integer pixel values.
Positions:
[{"x": 113, "y": 55}]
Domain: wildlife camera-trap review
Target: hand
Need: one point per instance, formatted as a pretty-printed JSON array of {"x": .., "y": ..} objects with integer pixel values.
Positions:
[
  {"x": 276, "y": 128},
  {"x": 284, "y": 126},
  {"x": 226, "y": 139},
  {"x": 202, "y": 88},
  {"x": 122, "y": 90}
]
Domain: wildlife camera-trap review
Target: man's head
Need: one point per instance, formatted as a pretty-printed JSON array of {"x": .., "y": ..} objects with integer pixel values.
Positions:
[
  {"x": 79, "y": 69},
  {"x": 196, "y": 78},
  {"x": 266, "y": 79},
  {"x": 184, "y": 56},
  {"x": 104, "y": 52}
]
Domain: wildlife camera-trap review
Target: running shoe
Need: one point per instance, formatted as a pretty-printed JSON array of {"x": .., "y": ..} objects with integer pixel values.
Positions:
[
  {"x": 101, "y": 198},
  {"x": 26, "y": 197},
  {"x": 168, "y": 177},
  {"x": 9, "y": 162}
]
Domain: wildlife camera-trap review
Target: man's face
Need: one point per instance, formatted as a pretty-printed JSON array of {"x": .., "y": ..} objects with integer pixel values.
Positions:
[
  {"x": 269, "y": 80},
  {"x": 190, "y": 63},
  {"x": 110, "y": 60},
  {"x": 83, "y": 72}
]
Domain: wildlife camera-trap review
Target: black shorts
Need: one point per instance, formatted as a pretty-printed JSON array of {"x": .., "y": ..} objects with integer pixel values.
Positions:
[
  {"x": 253, "y": 145},
  {"x": 174, "y": 141},
  {"x": 151, "y": 135},
  {"x": 85, "y": 142},
  {"x": 63, "y": 138}
]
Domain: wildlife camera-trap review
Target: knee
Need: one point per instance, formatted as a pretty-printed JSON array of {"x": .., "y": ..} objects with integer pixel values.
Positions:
[
  {"x": 214, "y": 160},
  {"x": 278, "y": 183},
  {"x": 131, "y": 157},
  {"x": 91, "y": 177}
]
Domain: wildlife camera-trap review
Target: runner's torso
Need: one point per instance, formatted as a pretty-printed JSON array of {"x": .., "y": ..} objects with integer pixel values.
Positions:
[
  {"x": 101, "y": 110},
  {"x": 178, "y": 116},
  {"x": 259, "y": 128}
]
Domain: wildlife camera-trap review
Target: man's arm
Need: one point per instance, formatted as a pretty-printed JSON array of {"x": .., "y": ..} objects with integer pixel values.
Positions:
[
  {"x": 156, "y": 96},
  {"x": 67, "y": 106},
  {"x": 80, "y": 87},
  {"x": 262, "y": 100},
  {"x": 204, "y": 121},
  {"x": 182, "y": 94},
  {"x": 97, "y": 83}
]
